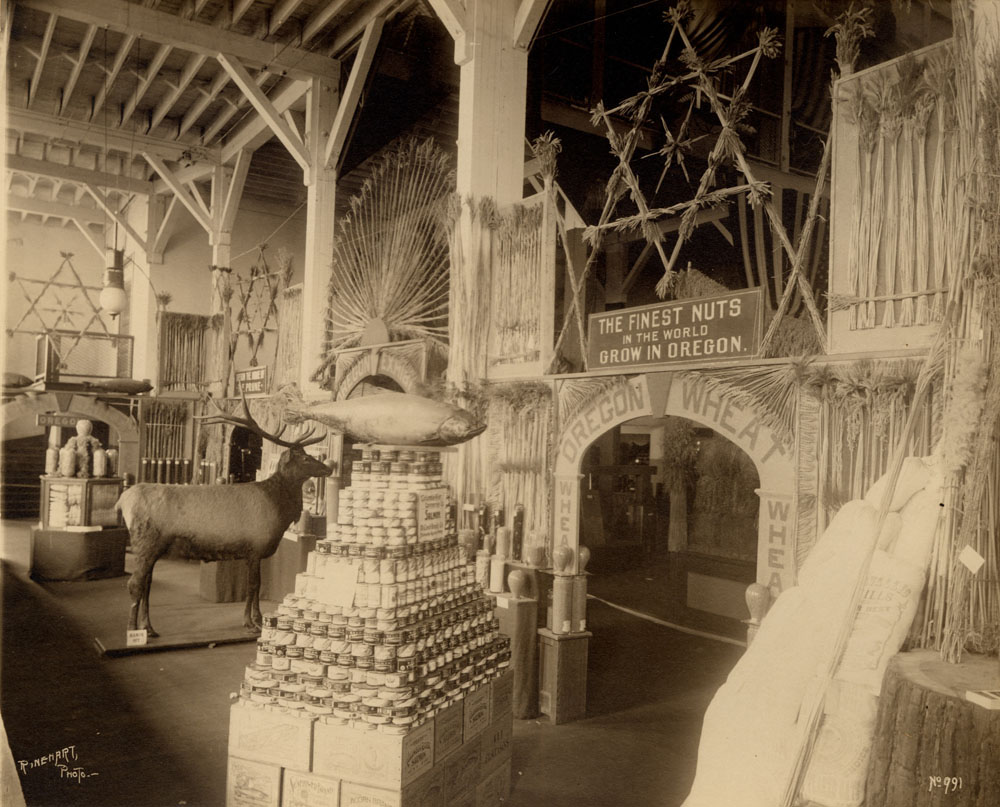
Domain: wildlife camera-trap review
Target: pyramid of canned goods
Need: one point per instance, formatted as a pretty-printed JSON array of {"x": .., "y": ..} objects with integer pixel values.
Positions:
[{"x": 418, "y": 636}]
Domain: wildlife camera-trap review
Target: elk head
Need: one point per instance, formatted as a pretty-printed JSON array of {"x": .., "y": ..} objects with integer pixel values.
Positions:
[{"x": 295, "y": 463}]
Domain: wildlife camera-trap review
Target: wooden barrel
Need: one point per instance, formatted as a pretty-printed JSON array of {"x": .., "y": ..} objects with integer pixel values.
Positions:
[{"x": 932, "y": 746}]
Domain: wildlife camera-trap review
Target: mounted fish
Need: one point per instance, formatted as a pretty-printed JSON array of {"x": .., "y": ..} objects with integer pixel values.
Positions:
[
  {"x": 391, "y": 418},
  {"x": 126, "y": 386}
]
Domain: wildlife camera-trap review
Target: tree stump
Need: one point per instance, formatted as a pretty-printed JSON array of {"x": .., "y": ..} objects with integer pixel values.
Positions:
[{"x": 932, "y": 746}]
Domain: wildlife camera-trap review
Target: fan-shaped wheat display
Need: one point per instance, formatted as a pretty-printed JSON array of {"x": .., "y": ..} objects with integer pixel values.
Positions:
[{"x": 390, "y": 253}]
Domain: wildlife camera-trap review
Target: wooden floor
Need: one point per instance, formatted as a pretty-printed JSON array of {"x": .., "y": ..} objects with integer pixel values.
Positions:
[{"x": 154, "y": 727}]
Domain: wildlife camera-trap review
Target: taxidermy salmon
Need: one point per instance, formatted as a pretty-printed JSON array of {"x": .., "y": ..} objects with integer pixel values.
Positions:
[
  {"x": 126, "y": 386},
  {"x": 393, "y": 418}
]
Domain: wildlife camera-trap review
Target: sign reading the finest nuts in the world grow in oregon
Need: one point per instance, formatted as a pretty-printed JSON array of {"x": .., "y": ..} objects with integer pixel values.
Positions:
[{"x": 726, "y": 326}]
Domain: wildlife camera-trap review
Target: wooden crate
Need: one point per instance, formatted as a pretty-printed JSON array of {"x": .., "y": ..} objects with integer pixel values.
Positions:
[
  {"x": 371, "y": 758},
  {"x": 256, "y": 733},
  {"x": 252, "y": 784}
]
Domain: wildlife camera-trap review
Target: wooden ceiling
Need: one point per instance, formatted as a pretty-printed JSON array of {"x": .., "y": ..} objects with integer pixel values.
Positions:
[{"x": 92, "y": 84}]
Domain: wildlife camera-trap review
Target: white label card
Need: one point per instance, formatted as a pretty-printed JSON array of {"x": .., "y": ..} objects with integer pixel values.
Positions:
[
  {"x": 136, "y": 638},
  {"x": 971, "y": 559},
  {"x": 338, "y": 584}
]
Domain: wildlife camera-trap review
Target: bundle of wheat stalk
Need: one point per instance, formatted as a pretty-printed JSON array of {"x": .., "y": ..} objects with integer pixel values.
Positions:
[
  {"x": 182, "y": 350},
  {"x": 864, "y": 407},
  {"x": 288, "y": 351},
  {"x": 469, "y": 225},
  {"x": 390, "y": 252},
  {"x": 520, "y": 438},
  {"x": 906, "y": 195},
  {"x": 514, "y": 330},
  {"x": 963, "y": 606},
  {"x": 164, "y": 425}
]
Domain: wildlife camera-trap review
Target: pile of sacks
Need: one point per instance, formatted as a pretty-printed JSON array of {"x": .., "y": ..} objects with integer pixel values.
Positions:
[{"x": 758, "y": 720}]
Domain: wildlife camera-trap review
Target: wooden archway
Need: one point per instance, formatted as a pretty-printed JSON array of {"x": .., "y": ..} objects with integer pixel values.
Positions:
[
  {"x": 683, "y": 395},
  {"x": 83, "y": 406}
]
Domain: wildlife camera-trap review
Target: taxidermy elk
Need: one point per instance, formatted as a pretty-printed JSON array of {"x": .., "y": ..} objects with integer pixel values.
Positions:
[{"x": 217, "y": 522}]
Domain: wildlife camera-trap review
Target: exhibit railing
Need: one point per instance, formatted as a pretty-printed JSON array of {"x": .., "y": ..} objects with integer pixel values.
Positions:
[{"x": 72, "y": 357}]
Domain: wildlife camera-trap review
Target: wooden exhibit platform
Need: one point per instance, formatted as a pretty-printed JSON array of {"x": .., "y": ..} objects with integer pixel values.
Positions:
[
  {"x": 181, "y": 617},
  {"x": 929, "y": 737},
  {"x": 180, "y": 627}
]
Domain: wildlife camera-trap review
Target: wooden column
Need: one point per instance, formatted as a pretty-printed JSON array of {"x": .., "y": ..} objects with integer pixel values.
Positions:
[
  {"x": 142, "y": 325},
  {"x": 321, "y": 183},
  {"x": 491, "y": 106}
]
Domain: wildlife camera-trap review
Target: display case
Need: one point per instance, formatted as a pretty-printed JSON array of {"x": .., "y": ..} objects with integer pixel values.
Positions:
[{"x": 79, "y": 502}]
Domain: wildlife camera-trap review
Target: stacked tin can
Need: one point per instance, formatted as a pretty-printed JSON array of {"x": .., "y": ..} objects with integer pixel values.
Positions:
[{"x": 419, "y": 636}]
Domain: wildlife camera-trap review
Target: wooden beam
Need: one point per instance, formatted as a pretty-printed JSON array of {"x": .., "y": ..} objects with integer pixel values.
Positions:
[
  {"x": 183, "y": 176},
  {"x": 254, "y": 133},
  {"x": 240, "y": 7},
  {"x": 526, "y": 21},
  {"x": 320, "y": 17},
  {"x": 563, "y": 114},
  {"x": 232, "y": 106},
  {"x": 238, "y": 73},
  {"x": 348, "y": 33},
  {"x": 43, "y": 207},
  {"x": 199, "y": 199},
  {"x": 93, "y": 134},
  {"x": 768, "y": 173},
  {"x": 112, "y": 73},
  {"x": 72, "y": 173},
  {"x": 81, "y": 58},
  {"x": 352, "y": 92},
  {"x": 452, "y": 15},
  {"x": 92, "y": 239},
  {"x": 192, "y": 8},
  {"x": 207, "y": 97},
  {"x": 195, "y": 61},
  {"x": 637, "y": 267},
  {"x": 788, "y": 51},
  {"x": 191, "y": 68},
  {"x": 188, "y": 35},
  {"x": 179, "y": 191},
  {"x": 234, "y": 191},
  {"x": 167, "y": 226},
  {"x": 43, "y": 52},
  {"x": 119, "y": 219},
  {"x": 281, "y": 12},
  {"x": 151, "y": 72},
  {"x": 724, "y": 232}
]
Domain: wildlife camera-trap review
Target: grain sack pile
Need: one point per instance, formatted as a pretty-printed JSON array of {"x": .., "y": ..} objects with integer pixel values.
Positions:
[{"x": 755, "y": 725}]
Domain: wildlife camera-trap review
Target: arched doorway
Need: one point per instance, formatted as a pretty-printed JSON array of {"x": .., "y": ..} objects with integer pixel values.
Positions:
[
  {"x": 121, "y": 430},
  {"x": 688, "y": 396}
]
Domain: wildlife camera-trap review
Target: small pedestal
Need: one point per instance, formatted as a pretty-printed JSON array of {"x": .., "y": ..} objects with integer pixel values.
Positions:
[
  {"x": 79, "y": 554},
  {"x": 562, "y": 674},
  {"x": 519, "y": 620},
  {"x": 223, "y": 580}
]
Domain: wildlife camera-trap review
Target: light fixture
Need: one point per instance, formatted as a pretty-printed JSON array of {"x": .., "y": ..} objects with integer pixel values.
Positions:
[{"x": 112, "y": 297}]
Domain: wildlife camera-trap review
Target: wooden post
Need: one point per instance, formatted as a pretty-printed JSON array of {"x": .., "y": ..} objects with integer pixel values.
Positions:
[
  {"x": 142, "y": 325},
  {"x": 321, "y": 107},
  {"x": 491, "y": 106}
]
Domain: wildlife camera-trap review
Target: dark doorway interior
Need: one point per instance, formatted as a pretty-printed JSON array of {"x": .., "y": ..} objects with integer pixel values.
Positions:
[{"x": 244, "y": 455}]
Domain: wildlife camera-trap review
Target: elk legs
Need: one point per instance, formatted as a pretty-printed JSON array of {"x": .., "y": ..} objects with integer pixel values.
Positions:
[
  {"x": 138, "y": 588},
  {"x": 252, "y": 619}
]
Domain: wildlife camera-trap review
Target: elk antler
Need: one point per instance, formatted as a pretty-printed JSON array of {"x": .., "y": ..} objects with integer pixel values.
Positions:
[{"x": 248, "y": 422}]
